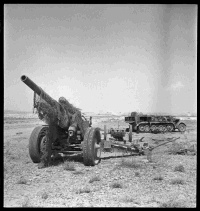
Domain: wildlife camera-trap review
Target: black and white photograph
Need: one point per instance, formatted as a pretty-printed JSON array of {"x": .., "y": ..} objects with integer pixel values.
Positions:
[{"x": 100, "y": 105}]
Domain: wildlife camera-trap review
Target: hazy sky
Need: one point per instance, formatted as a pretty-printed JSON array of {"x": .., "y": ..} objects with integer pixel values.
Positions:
[{"x": 103, "y": 57}]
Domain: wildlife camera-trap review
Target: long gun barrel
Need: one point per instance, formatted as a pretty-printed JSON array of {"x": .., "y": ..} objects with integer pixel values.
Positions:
[
  {"x": 51, "y": 112},
  {"x": 54, "y": 111},
  {"x": 39, "y": 91}
]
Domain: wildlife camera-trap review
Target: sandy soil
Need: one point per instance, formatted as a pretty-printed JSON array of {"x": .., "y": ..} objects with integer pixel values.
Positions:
[{"x": 120, "y": 180}]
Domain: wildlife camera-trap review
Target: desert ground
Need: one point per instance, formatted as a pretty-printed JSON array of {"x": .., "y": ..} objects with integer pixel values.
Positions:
[{"x": 119, "y": 180}]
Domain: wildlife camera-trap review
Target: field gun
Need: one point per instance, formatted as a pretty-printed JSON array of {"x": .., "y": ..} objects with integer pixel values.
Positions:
[{"x": 66, "y": 129}]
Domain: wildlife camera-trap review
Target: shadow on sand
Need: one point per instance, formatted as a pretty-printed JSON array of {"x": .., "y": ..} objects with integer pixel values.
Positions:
[{"x": 58, "y": 159}]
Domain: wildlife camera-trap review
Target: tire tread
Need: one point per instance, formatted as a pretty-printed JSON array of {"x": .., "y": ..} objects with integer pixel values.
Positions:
[{"x": 33, "y": 144}]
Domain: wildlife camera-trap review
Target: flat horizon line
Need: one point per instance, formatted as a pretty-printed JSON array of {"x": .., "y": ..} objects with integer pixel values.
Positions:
[{"x": 159, "y": 113}]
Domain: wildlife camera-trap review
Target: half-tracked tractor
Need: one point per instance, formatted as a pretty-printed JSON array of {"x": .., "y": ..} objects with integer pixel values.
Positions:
[{"x": 154, "y": 123}]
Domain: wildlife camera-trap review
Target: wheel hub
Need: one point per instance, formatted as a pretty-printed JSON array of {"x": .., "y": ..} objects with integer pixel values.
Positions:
[
  {"x": 141, "y": 128},
  {"x": 97, "y": 149},
  {"x": 181, "y": 128},
  {"x": 43, "y": 144}
]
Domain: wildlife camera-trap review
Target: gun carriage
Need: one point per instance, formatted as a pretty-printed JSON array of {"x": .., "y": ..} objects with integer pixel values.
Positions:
[{"x": 66, "y": 129}]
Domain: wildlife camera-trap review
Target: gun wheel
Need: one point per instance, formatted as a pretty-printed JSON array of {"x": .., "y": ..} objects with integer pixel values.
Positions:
[
  {"x": 37, "y": 143},
  {"x": 91, "y": 147},
  {"x": 43, "y": 145}
]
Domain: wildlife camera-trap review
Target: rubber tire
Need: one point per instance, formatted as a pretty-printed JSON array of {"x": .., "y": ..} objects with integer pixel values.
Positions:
[
  {"x": 88, "y": 146},
  {"x": 34, "y": 143},
  {"x": 182, "y": 125}
]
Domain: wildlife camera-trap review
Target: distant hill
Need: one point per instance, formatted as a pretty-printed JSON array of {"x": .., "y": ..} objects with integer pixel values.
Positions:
[
  {"x": 16, "y": 112},
  {"x": 88, "y": 113}
]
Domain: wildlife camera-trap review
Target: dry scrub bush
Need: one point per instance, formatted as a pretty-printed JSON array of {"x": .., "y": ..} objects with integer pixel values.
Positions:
[
  {"x": 44, "y": 195},
  {"x": 172, "y": 203},
  {"x": 95, "y": 178},
  {"x": 177, "y": 148},
  {"x": 137, "y": 174},
  {"x": 177, "y": 181},
  {"x": 179, "y": 168},
  {"x": 130, "y": 199},
  {"x": 69, "y": 166},
  {"x": 26, "y": 203},
  {"x": 83, "y": 190},
  {"x": 78, "y": 172},
  {"x": 192, "y": 149},
  {"x": 159, "y": 177},
  {"x": 130, "y": 164},
  {"x": 116, "y": 185},
  {"x": 117, "y": 167},
  {"x": 22, "y": 180},
  {"x": 183, "y": 148}
]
